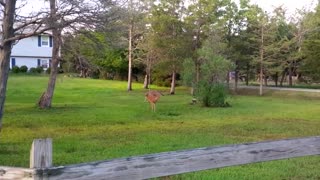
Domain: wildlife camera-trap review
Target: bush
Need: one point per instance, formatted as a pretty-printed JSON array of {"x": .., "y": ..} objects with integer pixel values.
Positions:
[
  {"x": 95, "y": 74},
  {"x": 32, "y": 70},
  {"x": 23, "y": 69},
  {"x": 48, "y": 71},
  {"x": 15, "y": 69},
  {"x": 60, "y": 70},
  {"x": 36, "y": 70},
  {"x": 39, "y": 69},
  {"x": 213, "y": 94}
]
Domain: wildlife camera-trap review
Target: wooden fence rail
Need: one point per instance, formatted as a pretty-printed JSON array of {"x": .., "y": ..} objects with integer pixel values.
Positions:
[{"x": 168, "y": 163}]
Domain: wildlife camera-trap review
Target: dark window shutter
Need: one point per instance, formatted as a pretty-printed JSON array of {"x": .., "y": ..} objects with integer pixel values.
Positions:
[
  {"x": 39, "y": 41},
  {"x": 50, "y": 41},
  {"x": 13, "y": 62},
  {"x": 50, "y": 61},
  {"x": 39, "y": 60}
]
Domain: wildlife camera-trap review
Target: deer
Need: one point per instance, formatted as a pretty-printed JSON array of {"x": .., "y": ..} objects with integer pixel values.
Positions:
[{"x": 152, "y": 97}]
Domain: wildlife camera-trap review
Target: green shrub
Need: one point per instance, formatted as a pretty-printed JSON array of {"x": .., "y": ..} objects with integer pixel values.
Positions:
[
  {"x": 164, "y": 82},
  {"x": 48, "y": 71},
  {"x": 60, "y": 70},
  {"x": 95, "y": 74},
  {"x": 33, "y": 70},
  {"x": 36, "y": 70},
  {"x": 15, "y": 69},
  {"x": 39, "y": 69},
  {"x": 213, "y": 94},
  {"x": 23, "y": 69}
]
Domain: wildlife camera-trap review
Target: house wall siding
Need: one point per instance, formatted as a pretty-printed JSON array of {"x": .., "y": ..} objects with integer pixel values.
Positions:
[
  {"x": 28, "y": 61},
  {"x": 29, "y": 47}
]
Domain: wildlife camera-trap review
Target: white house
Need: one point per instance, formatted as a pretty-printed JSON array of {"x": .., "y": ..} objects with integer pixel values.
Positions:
[{"x": 34, "y": 51}]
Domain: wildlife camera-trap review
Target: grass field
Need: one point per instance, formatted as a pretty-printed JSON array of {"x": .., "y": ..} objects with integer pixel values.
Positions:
[{"x": 97, "y": 120}]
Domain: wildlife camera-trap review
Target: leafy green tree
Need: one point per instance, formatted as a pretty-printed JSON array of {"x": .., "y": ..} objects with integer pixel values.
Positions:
[
  {"x": 170, "y": 38},
  {"x": 136, "y": 26},
  {"x": 90, "y": 53},
  {"x": 311, "y": 45},
  {"x": 204, "y": 18},
  {"x": 211, "y": 88}
]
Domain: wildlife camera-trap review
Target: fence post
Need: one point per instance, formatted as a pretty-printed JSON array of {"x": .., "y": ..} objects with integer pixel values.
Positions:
[{"x": 41, "y": 153}]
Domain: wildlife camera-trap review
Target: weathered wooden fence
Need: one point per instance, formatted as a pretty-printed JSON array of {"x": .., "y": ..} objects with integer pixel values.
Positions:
[{"x": 161, "y": 164}]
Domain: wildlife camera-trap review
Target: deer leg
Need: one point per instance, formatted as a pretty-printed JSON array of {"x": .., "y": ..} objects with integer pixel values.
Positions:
[{"x": 151, "y": 105}]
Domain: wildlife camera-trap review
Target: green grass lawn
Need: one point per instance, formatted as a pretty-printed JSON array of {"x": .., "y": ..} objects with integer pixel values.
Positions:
[{"x": 97, "y": 119}]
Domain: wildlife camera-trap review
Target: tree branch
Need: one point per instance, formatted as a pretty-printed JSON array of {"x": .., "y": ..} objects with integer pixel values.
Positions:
[
  {"x": 22, "y": 36},
  {"x": 2, "y": 3},
  {"x": 26, "y": 24}
]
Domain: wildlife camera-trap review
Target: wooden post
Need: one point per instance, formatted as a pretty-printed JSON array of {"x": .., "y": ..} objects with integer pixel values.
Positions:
[{"x": 41, "y": 153}]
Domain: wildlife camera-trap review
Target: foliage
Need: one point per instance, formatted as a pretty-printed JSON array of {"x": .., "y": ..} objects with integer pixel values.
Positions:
[
  {"x": 170, "y": 39},
  {"x": 90, "y": 52},
  {"x": 213, "y": 94},
  {"x": 15, "y": 69},
  {"x": 23, "y": 69},
  {"x": 32, "y": 70},
  {"x": 162, "y": 77},
  {"x": 48, "y": 70},
  {"x": 39, "y": 69},
  {"x": 188, "y": 73},
  {"x": 36, "y": 70},
  {"x": 211, "y": 89},
  {"x": 174, "y": 33},
  {"x": 312, "y": 63},
  {"x": 311, "y": 46},
  {"x": 216, "y": 66}
]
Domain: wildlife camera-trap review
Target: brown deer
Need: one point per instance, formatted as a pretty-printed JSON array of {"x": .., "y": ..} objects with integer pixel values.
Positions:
[{"x": 152, "y": 97}]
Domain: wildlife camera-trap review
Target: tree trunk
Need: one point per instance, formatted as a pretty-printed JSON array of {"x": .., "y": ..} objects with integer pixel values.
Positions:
[
  {"x": 197, "y": 68},
  {"x": 276, "y": 79},
  {"x": 45, "y": 100},
  {"x": 247, "y": 76},
  {"x": 290, "y": 75},
  {"x": 147, "y": 78},
  {"x": 5, "y": 51},
  {"x": 146, "y": 82},
  {"x": 282, "y": 77},
  {"x": 261, "y": 80},
  {"x": 236, "y": 77},
  {"x": 130, "y": 60},
  {"x": 173, "y": 83},
  {"x": 228, "y": 79},
  {"x": 129, "y": 88},
  {"x": 261, "y": 61},
  {"x": 192, "y": 91},
  {"x": 266, "y": 80},
  {"x": 197, "y": 72}
]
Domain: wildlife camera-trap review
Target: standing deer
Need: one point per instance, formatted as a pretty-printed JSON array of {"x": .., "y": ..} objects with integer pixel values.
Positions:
[{"x": 152, "y": 97}]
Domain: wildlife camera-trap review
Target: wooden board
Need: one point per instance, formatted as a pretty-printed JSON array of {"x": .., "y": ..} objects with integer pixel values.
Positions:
[{"x": 177, "y": 162}]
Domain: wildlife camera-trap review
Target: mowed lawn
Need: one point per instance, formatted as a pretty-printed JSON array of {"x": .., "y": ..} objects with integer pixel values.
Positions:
[{"x": 98, "y": 119}]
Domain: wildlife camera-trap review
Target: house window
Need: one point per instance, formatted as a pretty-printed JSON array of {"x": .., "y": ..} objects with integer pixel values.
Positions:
[
  {"x": 44, "y": 63},
  {"x": 13, "y": 62},
  {"x": 44, "y": 41}
]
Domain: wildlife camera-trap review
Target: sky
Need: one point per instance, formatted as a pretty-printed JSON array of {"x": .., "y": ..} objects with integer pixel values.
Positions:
[
  {"x": 290, "y": 5},
  {"x": 267, "y": 5}
]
